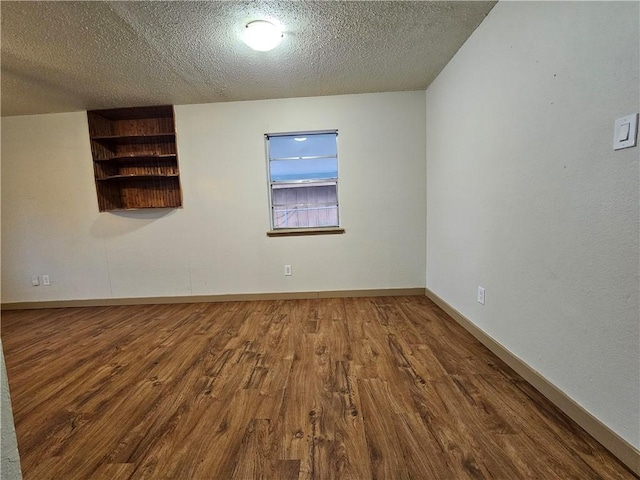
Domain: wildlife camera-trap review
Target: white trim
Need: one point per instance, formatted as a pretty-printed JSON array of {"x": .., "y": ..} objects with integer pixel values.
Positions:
[{"x": 233, "y": 297}]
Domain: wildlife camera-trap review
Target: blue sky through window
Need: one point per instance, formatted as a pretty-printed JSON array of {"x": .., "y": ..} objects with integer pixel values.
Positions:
[{"x": 300, "y": 148}]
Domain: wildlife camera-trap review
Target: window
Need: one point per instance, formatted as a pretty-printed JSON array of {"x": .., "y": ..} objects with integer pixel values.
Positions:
[{"x": 303, "y": 179}]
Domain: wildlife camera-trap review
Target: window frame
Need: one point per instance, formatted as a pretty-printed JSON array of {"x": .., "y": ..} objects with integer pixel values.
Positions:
[{"x": 291, "y": 231}]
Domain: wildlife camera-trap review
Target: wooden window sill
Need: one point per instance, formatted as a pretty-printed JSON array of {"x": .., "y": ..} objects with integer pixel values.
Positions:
[{"x": 292, "y": 232}]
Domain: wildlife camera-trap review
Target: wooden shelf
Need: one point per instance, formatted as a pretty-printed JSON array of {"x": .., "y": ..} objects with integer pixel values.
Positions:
[
  {"x": 140, "y": 208},
  {"x": 133, "y": 176},
  {"x": 128, "y": 139},
  {"x": 135, "y": 158}
]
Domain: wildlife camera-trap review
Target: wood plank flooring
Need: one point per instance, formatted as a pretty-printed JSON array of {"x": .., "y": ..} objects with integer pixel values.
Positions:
[{"x": 350, "y": 388}]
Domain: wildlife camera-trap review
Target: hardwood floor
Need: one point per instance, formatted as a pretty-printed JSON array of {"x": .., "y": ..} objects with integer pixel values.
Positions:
[{"x": 358, "y": 388}]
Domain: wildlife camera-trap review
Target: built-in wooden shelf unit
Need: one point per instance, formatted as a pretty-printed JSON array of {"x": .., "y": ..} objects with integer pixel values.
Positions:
[{"x": 135, "y": 160}]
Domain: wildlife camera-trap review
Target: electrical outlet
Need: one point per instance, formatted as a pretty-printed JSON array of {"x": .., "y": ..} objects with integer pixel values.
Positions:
[
  {"x": 35, "y": 280},
  {"x": 46, "y": 280},
  {"x": 287, "y": 270},
  {"x": 481, "y": 295}
]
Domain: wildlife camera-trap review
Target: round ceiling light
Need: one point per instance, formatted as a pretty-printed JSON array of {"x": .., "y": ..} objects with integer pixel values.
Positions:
[{"x": 262, "y": 35}]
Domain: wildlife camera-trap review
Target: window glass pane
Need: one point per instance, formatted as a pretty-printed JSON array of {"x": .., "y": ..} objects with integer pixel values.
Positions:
[
  {"x": 305, "y": 206},
  {"x": 314, "y": 145},
  {"x": 292, "y": 170}
]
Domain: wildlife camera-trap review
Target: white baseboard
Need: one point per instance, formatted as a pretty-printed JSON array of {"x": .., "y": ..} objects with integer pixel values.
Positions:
[{"x": 234, "y": 297}]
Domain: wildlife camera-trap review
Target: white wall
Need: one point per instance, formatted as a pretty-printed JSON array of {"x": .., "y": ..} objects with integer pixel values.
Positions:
[
  {"x": 526, "y": 197},
  {"x": 217, "y": 243},
  {"x": 9, "y": 456}
]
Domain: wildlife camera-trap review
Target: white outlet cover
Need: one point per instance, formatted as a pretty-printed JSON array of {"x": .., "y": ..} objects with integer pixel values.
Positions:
[{"x": 481, "y": 295}]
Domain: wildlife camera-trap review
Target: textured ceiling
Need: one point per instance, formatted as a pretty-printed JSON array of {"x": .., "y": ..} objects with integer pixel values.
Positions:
[{"x": 67, "y": 56}]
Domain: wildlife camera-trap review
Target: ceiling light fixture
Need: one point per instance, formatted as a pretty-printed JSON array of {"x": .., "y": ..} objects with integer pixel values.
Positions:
[{"x": 262, "y": 35}]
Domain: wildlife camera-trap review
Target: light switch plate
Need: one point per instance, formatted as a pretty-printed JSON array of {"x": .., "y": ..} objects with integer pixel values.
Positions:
[{"x": 621, "y": 140}]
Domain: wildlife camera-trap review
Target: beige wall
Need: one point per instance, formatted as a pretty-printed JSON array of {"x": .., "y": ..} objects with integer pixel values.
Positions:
[
  {"x": 527, "y": 198},
  {"x": 217, "y": 243}
]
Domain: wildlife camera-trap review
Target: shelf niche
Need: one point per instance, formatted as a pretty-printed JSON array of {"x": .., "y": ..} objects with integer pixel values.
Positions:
[{"x": 135, "y": 160}]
